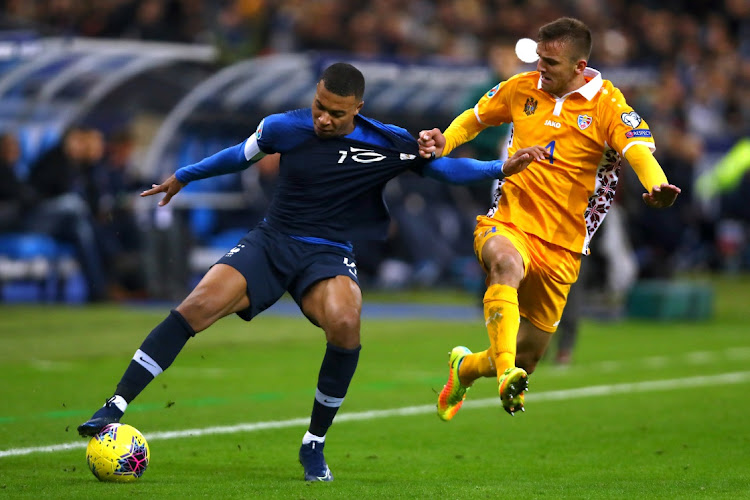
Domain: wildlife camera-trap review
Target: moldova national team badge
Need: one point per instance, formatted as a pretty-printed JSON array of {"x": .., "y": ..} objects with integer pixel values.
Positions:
[
  {"x": 584, "y": 121},
  {"x": 530, "y": 106}
]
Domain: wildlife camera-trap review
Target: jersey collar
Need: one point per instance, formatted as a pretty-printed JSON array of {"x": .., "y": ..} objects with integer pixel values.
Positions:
[{"x": 589, "y": 89}]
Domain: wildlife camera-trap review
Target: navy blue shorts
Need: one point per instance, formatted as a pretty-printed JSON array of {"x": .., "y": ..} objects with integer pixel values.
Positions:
[{"x": 274, "y": 262}]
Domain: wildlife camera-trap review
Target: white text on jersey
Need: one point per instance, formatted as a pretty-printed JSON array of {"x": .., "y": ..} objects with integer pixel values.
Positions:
[{"x": 361, "y": 155}]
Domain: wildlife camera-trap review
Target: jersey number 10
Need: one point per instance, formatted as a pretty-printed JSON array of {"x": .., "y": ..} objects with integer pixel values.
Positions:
[{"x": 361, "y": 155}]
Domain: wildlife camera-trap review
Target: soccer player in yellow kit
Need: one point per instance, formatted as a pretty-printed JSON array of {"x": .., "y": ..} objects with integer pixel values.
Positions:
[{"x": 531, "y": 241}]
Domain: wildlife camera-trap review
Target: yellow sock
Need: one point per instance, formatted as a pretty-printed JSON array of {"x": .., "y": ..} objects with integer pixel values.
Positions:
[
  {"x": 476, "y": 365},
  {"x": 502, "y": 319}
]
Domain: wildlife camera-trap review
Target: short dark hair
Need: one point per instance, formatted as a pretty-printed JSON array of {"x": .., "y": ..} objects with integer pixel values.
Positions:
[
  {"x": 570, "y": 31},
  {"x": 344, "y": 79}
]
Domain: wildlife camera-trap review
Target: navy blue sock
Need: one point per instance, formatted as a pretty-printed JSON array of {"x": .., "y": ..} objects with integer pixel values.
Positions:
[
  {"x": 157, "y": 352},
  {"x": 336, "y": 373}
]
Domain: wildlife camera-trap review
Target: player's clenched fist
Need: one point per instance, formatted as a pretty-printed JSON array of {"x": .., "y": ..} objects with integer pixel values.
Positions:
[{"x": 431, "y": 143}]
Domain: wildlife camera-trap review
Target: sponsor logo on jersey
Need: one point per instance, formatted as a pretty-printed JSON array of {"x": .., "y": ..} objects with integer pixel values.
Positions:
[
  {"x": 530, "y": 106},
  {"x": 631, "y": 119},
  {"x": 493, "y": 90},
  {"x": 405, "y": 156},
  {"x": 234, "y": 250},
  {"x": 259, "y": 132},
  {"x": 584, "y": 121},
  {"x": 351, "y": 265},
  {"x": 641, "y": 132},
  {"x": 552, "y": 123}
]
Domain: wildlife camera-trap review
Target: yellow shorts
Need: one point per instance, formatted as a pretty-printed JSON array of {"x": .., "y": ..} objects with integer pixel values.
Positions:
[{"x": 549, "y": 271}]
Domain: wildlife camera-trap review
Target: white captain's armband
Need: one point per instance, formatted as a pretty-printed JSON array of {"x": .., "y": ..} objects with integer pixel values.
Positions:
[{"x": 252, "y": 151}]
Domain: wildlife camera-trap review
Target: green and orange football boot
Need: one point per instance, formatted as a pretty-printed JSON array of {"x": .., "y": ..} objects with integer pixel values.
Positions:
[
  {"x": 453, "y": 394},
  {"x": 511, "y": 386}
]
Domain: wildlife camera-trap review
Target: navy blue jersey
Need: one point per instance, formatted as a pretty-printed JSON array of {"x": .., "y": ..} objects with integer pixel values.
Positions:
[{"x": 333, "y": 188}]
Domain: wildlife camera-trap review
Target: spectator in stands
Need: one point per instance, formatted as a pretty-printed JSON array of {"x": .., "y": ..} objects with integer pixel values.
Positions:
[
  {"x": 15, "y": 196},
  {"x": 157, "y": 20},
  {"x": 240, "y": 29},
  {"x": 63, "y": 179},
  {"x": 119, "y": 237},
  {"x": 427, "y": 230},
  {"x": 659, "y": 236}
]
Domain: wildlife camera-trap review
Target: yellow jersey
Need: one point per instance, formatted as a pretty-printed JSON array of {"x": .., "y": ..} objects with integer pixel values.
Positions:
[{"x": 564, "y": 199}]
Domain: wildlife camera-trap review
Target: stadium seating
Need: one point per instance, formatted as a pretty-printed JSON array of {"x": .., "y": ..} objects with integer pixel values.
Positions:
[{"x": 36, "y": 267}]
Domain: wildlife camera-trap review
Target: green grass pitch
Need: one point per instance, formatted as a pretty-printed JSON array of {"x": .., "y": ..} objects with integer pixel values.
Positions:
[{"x": 647, "y": 410}]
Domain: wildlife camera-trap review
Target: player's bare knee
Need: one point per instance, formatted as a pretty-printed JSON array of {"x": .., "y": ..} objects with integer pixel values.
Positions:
[
  {"x": 505, "y": 268},
  {"x": 342, "y": 329}
]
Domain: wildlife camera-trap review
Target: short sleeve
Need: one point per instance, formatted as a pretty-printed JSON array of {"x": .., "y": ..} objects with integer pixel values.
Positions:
[
  {"x": 625, "y": 127},
  {"x": 494, "y": 107},
  {"x": 264, "y": 134}
]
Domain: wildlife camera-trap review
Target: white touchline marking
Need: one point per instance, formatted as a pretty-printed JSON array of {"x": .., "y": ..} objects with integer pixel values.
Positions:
[
  {"x": 655, "y": 362},
  {"x": 535, "y": 397}
]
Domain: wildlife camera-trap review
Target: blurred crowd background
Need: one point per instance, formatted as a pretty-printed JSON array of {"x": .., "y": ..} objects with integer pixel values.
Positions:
[{"x": 684, "y": 65}]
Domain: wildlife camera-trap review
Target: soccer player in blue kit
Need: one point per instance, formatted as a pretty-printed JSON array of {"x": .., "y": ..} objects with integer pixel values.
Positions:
[{"x": 334, "y": 164}]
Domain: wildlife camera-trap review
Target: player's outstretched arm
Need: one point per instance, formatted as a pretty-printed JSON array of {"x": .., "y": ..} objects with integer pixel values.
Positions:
[
  {"x": 523, "y": 158},
  {"x": 463, "y": 128},
  {"x": 469, "y": 170},
  {"x": 662, "y": 193},
  {"x": 662, "y": 196},
  {"x": 226, "y": 161},
  {"x": 171, "y": 187}
]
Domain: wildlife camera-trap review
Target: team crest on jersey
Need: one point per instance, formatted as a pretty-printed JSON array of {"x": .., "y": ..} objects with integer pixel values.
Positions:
[
  {"x": 584, "y": 121},
  {"x": 530, "y": 106},
  {"x": 631, "y": 119},
  {"x": 259, "y": 132},
  {"x": 493, "y": 90}
]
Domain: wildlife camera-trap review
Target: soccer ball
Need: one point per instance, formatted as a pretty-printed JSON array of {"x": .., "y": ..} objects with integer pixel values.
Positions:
[{"x": 118, "y": 453}]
